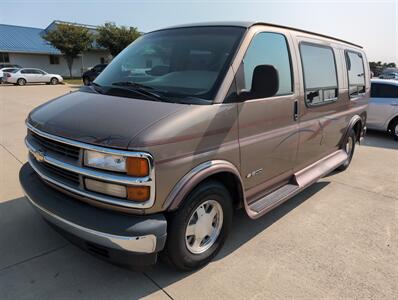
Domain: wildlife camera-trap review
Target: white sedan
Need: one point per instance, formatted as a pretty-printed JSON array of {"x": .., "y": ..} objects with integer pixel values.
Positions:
[
  {"x": 383, "y": 106},
  {"x": 30, "y": 75},
  {"x": 3, "y": 70}
]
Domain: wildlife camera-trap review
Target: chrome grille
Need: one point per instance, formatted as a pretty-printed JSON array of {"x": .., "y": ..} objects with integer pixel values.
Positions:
[
  {"x": 60, "y": 148},
  {"x": 71, "y": 177},
  {"x": 59, "y": 161}
]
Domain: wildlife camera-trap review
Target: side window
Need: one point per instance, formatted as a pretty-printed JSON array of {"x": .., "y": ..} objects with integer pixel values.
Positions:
[
  {"x": 380, "y": 90},
  {"x": 26, "y": 71},
  {"x": 268, "y": 48},
  {"x": 356, "y": 73},
  {"x": 320, "y": 76}
]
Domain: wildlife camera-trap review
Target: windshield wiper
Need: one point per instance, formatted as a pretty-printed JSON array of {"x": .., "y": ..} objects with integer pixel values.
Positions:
[
  {"x": 140, "y": 89},
  {"x": 94, "y": 86}
]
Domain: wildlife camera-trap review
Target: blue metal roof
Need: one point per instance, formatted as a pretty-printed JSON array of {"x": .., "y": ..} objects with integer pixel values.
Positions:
[{"x": 24, "y": 39}]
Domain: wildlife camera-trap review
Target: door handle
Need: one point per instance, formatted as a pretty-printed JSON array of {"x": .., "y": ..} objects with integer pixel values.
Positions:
[{"x": 295, "y": 110}]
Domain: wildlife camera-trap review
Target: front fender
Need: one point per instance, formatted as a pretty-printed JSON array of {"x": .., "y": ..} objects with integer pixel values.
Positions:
[{"x": 190, "y": 180}]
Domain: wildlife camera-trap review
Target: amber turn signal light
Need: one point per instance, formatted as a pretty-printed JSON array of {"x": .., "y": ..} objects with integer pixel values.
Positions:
[
  {"x": 137, "y": 167},
  {"x": 138, "y": 193}
]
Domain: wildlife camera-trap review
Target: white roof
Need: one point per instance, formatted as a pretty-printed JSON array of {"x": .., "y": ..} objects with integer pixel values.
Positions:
[{"x": 387, "y": 81}]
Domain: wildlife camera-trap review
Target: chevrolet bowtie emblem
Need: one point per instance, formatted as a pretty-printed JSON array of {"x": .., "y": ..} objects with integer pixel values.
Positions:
[{"x": 39, "y": 155}]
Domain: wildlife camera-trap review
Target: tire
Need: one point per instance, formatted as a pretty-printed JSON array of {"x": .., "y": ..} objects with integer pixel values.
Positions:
[
  {"x": 21, "y": 81},
  {"x": 394, "y": 129},
  {"x": 54, "y": 81},
  {"x": 86, "y": 81},
  {"x": 183, "y": 252},
  {"x": 349, "y": 147}
]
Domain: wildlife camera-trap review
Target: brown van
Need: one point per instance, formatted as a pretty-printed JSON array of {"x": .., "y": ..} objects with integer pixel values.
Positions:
[{"x": 188, "y": 124}]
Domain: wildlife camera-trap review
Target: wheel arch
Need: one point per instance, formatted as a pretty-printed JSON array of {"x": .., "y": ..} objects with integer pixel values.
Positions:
[
  {"x": 357, "y": 124},
  {"x": 391, "y": 121},
  {"x": 220, "y": 170}
]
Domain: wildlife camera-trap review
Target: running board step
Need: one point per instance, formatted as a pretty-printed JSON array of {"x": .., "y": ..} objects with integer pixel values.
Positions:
[
  {"x": 299, "y": 182},
  {"x": 271, "y": 200}
]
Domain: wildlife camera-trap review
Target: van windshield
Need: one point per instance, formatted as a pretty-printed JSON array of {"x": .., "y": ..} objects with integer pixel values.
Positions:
[{"x": 180, "y": 64}]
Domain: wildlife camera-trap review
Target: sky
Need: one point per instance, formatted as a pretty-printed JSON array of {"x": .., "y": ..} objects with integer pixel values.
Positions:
[{"x": 372, "y": 24}]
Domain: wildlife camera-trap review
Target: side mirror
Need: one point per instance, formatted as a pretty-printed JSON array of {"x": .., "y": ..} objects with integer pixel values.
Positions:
[{"x": 265, "y": 83}]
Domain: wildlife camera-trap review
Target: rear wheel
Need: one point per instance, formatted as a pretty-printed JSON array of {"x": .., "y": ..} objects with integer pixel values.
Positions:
[
  {"x": 54, "y": 81},
  {"x": 349, "y": 147},
  {"x": 394, "y": 129},
  {"x": 21, "y": 81},
  {"x": 199, "y": 228}
]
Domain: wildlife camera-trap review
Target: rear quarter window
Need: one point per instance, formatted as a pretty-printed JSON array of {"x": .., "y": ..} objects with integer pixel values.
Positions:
[{"x": 356, "y": 73}]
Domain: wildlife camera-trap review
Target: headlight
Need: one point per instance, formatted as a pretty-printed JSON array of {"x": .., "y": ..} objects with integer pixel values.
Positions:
[
  {"x": 133, "y": 166},
  {"x": 104, "y": 161}
]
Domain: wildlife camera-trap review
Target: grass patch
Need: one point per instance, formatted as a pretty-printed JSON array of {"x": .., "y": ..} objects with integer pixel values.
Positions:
[{"x": 73, "y": 81}]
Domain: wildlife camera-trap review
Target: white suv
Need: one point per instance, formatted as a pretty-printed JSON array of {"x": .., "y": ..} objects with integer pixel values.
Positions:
[{"x": 383, "y": 107}]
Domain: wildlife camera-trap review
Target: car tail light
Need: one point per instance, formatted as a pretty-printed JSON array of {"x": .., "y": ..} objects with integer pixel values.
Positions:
[{"x": 8, "y": 75}]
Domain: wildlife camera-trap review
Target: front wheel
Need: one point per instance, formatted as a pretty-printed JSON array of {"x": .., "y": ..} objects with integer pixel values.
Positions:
[
  {"x": 199, "y": 228},
  {"x": 394, "y": 129},
  {"x": 349, "y": 148},
  {"x": 54, "y": 81}
]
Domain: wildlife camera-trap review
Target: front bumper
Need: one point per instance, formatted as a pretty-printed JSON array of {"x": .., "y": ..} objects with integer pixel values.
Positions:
[{"x": 123, "y": 239}]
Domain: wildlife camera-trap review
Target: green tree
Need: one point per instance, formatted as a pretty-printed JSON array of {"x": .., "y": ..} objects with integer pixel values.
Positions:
[
  {"x": 71, "y": 40},
  {"x": 378, "y": 67},
  {"x": 116, "y": 38}
]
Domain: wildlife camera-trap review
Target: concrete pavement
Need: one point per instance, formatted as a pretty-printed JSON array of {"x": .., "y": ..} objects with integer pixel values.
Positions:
[{"x": 337, "y": 239}]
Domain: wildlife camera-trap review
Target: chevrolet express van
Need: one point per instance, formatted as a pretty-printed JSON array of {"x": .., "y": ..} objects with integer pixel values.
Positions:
[{"x": 188, "y": 124}]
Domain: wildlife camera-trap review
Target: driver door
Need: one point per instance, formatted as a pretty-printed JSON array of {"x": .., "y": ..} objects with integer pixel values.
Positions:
[
  {"x": 268, "y": 128},
  {"x": 42, "y": 76}
]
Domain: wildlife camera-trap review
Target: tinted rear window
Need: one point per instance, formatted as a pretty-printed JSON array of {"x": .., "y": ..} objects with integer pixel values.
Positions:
[
  {"x": 356, "y": 73},
  {"x": 380, "y": 90}
]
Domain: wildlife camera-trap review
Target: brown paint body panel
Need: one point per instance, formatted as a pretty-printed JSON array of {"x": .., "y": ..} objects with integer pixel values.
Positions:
[
  {"x": 179, "y": 143},
  {"x": 239, "y": 138}
]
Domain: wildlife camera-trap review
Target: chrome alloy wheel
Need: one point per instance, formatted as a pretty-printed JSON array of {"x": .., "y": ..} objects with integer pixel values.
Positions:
[
  {"x": 204, "y": 227},
  {"x": 396, "y": 130}
]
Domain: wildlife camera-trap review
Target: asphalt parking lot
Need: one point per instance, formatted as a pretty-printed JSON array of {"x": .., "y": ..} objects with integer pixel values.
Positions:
[{"x": 337, "y": 239}]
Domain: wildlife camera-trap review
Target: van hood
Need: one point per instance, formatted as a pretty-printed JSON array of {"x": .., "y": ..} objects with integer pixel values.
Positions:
[{"x": 98, "y": 119}]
